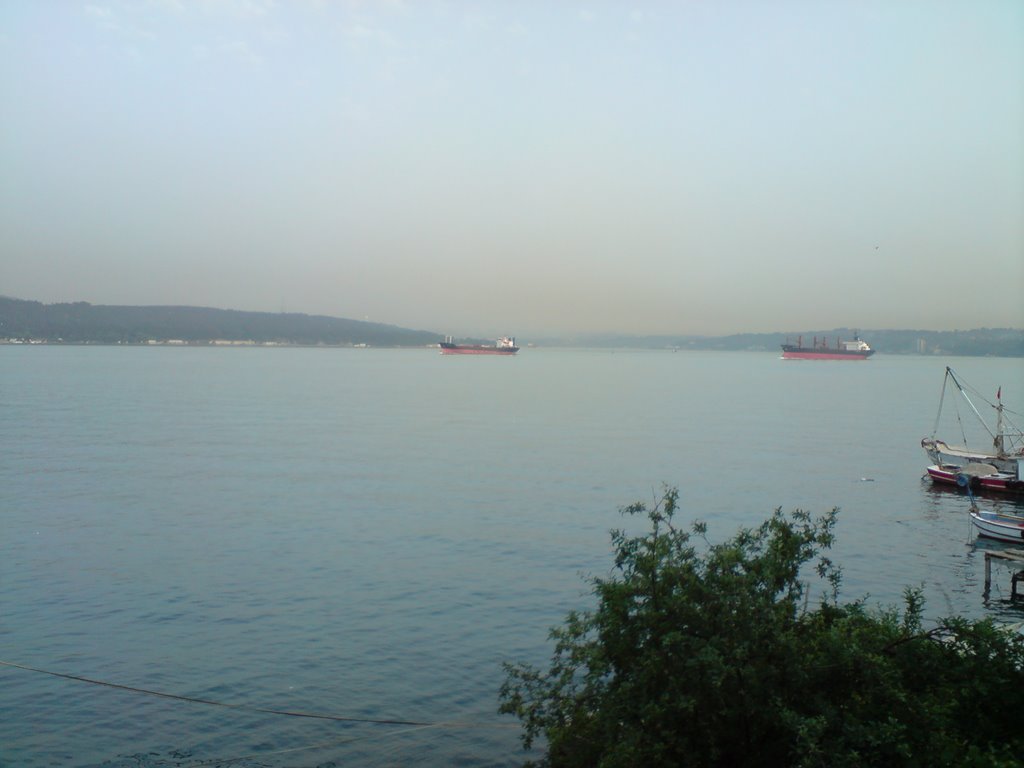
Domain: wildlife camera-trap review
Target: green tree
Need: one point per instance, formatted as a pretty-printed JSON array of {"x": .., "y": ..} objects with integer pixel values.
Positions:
[{"x": 708, "y": 656}]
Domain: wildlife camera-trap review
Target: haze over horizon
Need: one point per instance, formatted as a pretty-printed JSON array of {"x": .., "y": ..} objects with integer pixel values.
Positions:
[{"x": 520, "y": 168}]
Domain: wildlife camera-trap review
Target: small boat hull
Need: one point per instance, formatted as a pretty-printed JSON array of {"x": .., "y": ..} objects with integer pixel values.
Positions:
[
  {"x": 992, "y": 525},
  {"x": 985, "y": 478}
]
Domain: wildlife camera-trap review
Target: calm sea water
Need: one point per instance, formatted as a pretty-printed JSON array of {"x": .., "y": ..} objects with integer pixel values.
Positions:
[{"x": 371, "y": 533}]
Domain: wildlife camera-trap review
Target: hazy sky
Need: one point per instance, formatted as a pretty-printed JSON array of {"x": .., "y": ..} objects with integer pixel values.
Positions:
[{"x": 521, "y": 167}]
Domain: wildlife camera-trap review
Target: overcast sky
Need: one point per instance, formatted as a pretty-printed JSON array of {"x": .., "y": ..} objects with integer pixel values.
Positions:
[{"x": 521, "y": 167}]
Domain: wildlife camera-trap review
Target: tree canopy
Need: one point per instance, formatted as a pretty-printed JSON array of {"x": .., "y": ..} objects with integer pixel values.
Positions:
[{"x": 703, "y": 654}]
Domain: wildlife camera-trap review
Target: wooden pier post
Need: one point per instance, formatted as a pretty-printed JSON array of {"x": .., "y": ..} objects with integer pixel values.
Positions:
[{"x": 1015, "y": 556}]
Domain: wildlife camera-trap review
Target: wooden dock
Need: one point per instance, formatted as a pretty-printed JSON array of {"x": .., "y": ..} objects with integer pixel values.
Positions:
[{"x": 1015, "y": 557}]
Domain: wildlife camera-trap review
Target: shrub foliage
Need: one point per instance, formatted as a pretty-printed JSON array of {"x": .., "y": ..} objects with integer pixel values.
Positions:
[{"x": 703, "y": 654}]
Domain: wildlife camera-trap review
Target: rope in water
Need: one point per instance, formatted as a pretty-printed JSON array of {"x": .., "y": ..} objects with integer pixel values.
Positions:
[{"x": 246, "y": 708}]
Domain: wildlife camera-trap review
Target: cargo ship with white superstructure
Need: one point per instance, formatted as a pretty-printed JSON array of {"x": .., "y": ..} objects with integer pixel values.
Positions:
[
  {"x": 506, "y": 345},
  {"x": 820, "y": 350}
]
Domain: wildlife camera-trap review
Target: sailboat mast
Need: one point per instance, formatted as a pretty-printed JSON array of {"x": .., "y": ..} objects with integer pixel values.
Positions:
[
  {"x": 968, "y": 399},
  {"x": 997, "y": 441}
]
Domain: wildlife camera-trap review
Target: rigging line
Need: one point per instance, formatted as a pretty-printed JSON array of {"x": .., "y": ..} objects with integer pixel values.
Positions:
[
  {"x": 965, "y": 388},
  {"x": 963, "y": 392},
  {"x": 246, "y": 708},
  {"x": 960, "y": 422}
]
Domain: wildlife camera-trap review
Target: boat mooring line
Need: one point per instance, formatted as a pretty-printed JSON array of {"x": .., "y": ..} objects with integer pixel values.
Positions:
[{"x": 247, "y": 708}]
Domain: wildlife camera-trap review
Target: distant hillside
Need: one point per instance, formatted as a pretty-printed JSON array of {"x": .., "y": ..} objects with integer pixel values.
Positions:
[
  {"x": 995, "y": 342},
  {"x": 84, "y": 323}
]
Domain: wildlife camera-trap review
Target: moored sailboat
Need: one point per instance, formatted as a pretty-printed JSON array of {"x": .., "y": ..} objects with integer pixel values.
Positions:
[{"x": 1007, "y": 447}]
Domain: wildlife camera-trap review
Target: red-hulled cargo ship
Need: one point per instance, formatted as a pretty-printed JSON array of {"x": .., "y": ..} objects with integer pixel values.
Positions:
[
  {"x": 504, "y": 346},
  {"x": 843, "y": 350}
]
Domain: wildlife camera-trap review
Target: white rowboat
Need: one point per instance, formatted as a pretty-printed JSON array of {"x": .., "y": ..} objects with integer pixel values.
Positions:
[{"x": 993, "y": 525}]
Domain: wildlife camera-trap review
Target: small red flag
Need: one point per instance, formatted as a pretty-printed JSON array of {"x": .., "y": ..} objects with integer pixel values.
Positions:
[{"x": 999, "y": 393}]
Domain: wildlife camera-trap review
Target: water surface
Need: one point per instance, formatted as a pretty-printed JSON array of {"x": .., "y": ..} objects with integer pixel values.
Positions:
[{"x": 370, "y": 533}]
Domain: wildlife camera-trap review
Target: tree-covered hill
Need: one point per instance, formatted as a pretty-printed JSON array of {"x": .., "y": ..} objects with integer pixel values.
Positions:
[
  {"x": 81, "y": 322},
  {"x": 84, "y": 323}
]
